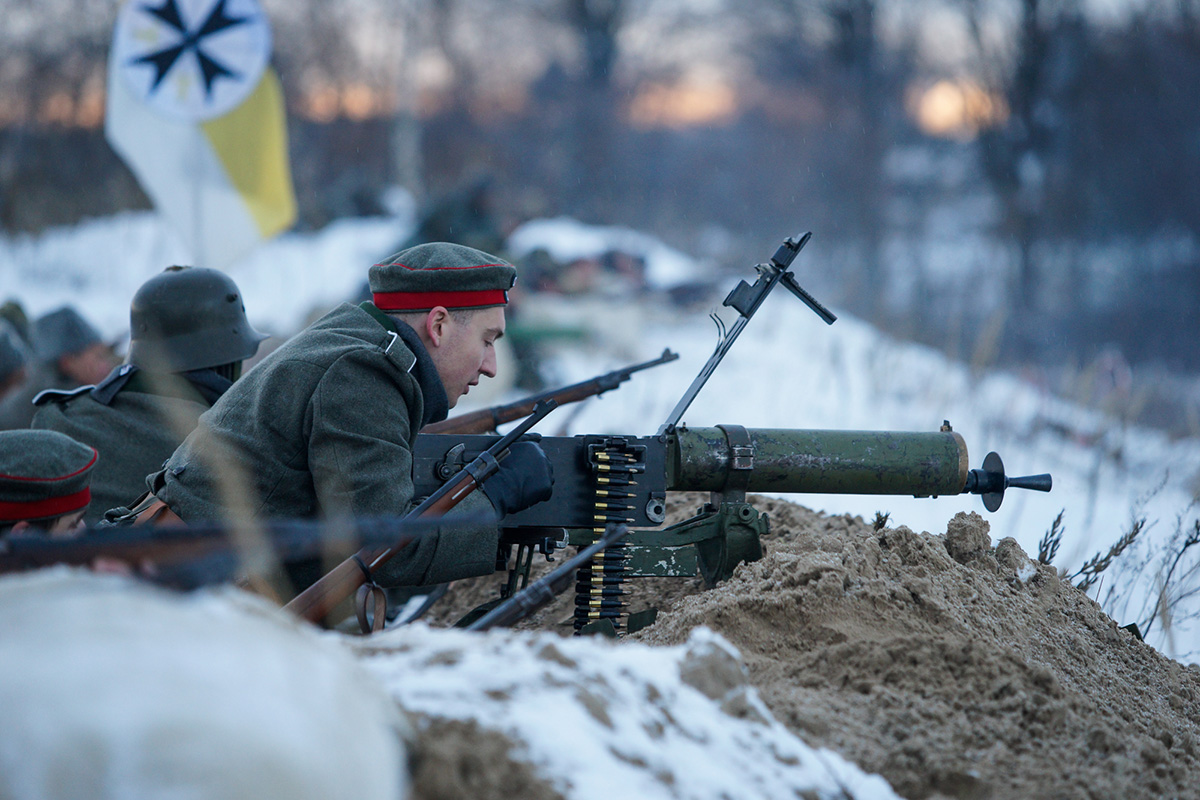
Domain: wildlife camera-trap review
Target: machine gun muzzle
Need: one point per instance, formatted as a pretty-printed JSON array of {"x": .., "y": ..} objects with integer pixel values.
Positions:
[
  {"x": 835, "y": 462},
  {"x": 990, "y": 482}
]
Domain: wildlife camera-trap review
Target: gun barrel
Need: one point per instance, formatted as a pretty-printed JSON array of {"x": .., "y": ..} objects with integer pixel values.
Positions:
[{"x": 817, "y": 461}]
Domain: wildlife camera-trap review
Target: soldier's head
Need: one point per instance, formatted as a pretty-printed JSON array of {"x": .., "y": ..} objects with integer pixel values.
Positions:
[
  {"x": 454, "y": 298},
  {"x": 12, "y": 359},
  {"x": 45, "y": 482},
  {"x": 188, "y": 318},
  {"x": 65, "y": 339}
]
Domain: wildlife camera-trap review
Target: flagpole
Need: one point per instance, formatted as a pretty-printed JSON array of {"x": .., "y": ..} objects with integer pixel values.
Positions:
[{"x": 197, "y": 200}]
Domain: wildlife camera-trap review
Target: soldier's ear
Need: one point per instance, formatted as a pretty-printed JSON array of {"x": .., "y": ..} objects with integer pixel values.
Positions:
[{"x": 437, "y": 325}]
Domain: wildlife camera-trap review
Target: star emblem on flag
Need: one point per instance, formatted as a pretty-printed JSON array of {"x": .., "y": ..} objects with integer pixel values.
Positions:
[
  {"x": 191, "y": 59},
  {"x": 162, "y": 60}
]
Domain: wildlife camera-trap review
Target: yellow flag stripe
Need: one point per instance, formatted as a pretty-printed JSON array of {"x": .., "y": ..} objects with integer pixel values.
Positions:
[{"x": 251, "y": 143}]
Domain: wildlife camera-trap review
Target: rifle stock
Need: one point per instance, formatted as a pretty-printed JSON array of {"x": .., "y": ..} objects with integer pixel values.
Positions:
[
  {"x": 317, "y": 601},
  {"x": 487, "y": 420}
]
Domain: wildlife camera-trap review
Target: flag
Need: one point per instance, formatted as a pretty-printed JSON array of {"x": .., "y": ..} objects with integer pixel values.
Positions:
[{"x": 197, "y": 113}]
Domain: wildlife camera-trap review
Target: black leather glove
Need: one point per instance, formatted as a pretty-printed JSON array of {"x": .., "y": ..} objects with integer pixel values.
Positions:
[{"x": 525, "y": 477}]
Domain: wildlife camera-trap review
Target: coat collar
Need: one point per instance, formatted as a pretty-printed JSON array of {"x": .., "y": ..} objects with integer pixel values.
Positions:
[{"x": 437, "y": 406}]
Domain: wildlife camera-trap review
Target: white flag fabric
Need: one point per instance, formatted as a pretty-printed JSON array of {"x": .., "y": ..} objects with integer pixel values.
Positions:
[{"x": 197, "y": 114}]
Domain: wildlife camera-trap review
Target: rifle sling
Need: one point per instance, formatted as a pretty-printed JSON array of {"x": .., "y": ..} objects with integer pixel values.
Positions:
[{"x": 156, "y": 513}]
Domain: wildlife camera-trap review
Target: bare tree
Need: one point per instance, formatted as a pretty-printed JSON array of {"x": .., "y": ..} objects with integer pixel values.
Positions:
[
  {"x": 832, "y": 49},
  {"x": 1036, "y": 75}
]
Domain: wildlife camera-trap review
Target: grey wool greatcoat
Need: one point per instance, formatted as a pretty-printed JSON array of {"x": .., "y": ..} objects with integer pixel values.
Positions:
[
  {"x": 135, "y": 429},
  {"x": 324, "y": 427}
]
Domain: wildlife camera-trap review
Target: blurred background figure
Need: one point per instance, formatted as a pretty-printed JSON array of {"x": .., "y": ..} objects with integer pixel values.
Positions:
[
  {"x": 68, "y": 352},
  {"x": 188, "y": 338},
  {"x": 14, "y": 314},
  {"x": 465, "y": 216},
  {"x": 13, "y": 357}
]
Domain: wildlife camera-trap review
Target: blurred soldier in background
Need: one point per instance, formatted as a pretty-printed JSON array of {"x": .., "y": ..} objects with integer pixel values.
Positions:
[
  {"x": 44, "y": 482},
  {"x": 466, "y": 216},
  {"x": 13, "y": 313},
  {"x": 67, "y": 353},
  {"x": 13, "y": 357},
  {"x": 324, "y": 426},
  {"x": 188, "y": 337}
]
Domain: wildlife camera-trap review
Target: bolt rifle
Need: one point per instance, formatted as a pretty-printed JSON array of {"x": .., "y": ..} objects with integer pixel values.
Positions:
[{"x": 489, "y": 419}]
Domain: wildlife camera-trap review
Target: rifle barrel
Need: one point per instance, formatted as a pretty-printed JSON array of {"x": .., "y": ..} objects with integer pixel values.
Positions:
[{"x": 488, "y": 419}]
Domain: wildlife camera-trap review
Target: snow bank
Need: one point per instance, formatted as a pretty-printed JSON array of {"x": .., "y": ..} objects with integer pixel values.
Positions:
[
  {"x": 112, "y": 689},
  {"x": 604, "y": 720}
]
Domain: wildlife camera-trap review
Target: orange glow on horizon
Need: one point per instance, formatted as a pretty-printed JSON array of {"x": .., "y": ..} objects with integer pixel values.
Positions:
[
  {"x": 956, "y": 109},
  {"x": 681, "y": 105}
]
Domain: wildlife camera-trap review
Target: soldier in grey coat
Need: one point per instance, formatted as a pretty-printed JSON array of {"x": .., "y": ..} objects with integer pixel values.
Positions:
[
  {"x": 44, "y": 482},
  {"x": 68, "y": 352},
  {"x": 324, "y": 425},
  {"x": 188, "y": 337}
]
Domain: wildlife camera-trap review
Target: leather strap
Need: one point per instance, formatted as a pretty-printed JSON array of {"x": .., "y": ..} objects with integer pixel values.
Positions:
[
  {"x": 370, "y": 591},
  {"x": 157, "y": 513}
]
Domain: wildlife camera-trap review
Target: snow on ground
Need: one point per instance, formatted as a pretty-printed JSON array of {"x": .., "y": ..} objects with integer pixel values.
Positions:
[
  {"x": 99, "y": 264},
  {"x": 788, "y": 370},
  {"x": 604, "y": 720},
  {"x": 116, "y": 690}
]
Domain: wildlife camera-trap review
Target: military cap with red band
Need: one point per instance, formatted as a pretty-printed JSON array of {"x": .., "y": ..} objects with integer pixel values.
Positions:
[
  {"x": 440, "y": 274},
  {"x": 43, "y": 474}
]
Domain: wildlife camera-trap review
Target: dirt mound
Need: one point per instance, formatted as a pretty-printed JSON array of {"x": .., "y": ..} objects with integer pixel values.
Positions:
[
  {"x": 949, "y": 666},
  {"x": 452, "y": 759}
]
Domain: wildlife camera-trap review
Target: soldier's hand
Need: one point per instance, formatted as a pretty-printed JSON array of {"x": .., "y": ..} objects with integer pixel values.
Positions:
[{"x": 525, "y": 477}]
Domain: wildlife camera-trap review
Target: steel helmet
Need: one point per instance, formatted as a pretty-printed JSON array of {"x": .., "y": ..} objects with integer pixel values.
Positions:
[
  {"x": 62, "y": 332},
  {"x": 189, "y": 318}
]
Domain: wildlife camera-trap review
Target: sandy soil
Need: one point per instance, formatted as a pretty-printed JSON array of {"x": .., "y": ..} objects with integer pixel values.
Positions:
[
  {"x": 451, "y": 759},
  {"x": 951, "y": 665}
]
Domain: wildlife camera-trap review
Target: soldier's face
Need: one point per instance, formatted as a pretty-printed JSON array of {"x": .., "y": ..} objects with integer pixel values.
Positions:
[
  {"x": 465, "y": 349},
  {"x": 88, "y": 366}
]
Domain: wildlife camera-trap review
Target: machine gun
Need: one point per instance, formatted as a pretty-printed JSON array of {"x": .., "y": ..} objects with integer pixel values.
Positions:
[
  {"x": 617, "y": 479},
  {"x": 489, "y": 419}
]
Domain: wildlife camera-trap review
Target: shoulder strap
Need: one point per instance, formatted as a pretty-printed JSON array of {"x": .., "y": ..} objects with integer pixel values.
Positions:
[
  {"x": 59, "y": 395},
  {"x": 107, "y": 389}
]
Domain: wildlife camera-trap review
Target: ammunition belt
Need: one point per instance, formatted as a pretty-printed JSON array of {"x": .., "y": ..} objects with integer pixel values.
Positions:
[{"x": 614, "y": 466}]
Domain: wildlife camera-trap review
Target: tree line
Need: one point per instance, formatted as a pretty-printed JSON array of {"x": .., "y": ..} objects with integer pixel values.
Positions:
[{"x": 1087, "y": 177}]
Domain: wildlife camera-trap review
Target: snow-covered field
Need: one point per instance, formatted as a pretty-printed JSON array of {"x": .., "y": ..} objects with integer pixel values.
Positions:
[{"x": 788, "y": 370}]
